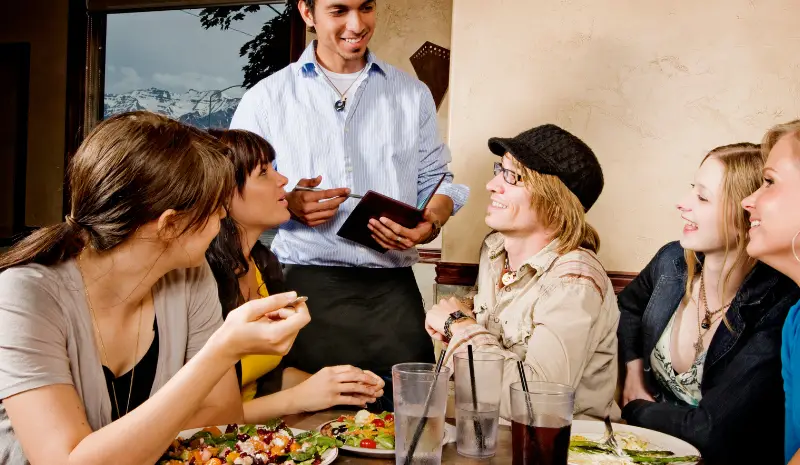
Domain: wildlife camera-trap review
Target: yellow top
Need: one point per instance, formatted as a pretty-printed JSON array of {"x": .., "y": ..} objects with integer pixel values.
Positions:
[{"x": 256, "y": 366}]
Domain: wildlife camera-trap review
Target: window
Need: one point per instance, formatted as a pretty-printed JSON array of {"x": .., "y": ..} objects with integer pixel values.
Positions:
[{"x": 191, "y": 64}]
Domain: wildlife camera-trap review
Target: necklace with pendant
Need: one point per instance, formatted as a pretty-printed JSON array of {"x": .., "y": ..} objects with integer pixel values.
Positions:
[
  {"x": 709, "y": 317},
  {"x": 340, "y": 104},
  {"x": 509, "y": 275},
  {"x": 120, "y": 414},
  {"x": 705, "y": 317}
]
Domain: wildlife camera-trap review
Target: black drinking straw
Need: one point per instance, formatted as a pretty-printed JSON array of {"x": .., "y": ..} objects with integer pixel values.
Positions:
[
  {"x": 424, "y": 419},
  {"x": 476, "y": 420},
  {"x": 524, "y": 383}
]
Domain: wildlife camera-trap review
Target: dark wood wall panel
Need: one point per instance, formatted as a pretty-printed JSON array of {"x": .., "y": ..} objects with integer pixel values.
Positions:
[{"x": 465, "y": 274}]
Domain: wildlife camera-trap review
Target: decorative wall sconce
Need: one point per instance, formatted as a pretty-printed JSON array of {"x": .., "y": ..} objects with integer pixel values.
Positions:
[{"x": 432, "y": 64}]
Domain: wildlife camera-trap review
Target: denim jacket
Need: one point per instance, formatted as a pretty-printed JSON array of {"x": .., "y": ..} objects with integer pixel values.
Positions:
[{"x": 740, "y": 418}]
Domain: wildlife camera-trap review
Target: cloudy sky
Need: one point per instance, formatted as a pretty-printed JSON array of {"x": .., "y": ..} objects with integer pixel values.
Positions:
[{"x": 170, "y": 50}]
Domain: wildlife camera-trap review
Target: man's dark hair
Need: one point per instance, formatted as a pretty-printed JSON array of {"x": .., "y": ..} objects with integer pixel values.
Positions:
[{"x": 310, "y": 5}]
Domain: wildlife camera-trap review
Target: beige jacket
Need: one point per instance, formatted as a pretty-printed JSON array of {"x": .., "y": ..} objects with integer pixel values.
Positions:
[{"x": 559, "y": 316}]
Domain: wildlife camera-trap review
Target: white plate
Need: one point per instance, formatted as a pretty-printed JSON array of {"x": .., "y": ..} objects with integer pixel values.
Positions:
[
  {"x": 596, "y": 430},
  {"x": 449, "y": 436},
  {"x": 328, "y": 457}
]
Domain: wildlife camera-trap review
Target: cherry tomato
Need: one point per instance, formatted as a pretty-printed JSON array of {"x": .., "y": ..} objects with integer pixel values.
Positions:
[
  {"x": 340, "y": 419},
  {"x": 368, "y": 444},
  {"x": 378, "y": 423},
  {"x": 389, "y": 417}
]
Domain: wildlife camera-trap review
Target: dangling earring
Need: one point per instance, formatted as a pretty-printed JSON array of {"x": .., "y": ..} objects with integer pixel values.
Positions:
[{"x": 794, "y": 252}]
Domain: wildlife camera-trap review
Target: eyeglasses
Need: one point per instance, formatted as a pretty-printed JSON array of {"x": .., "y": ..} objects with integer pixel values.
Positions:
[{"x": 509, "y": 176}]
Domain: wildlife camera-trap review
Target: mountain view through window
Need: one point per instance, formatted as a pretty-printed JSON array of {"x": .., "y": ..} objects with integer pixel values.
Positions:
[{"x": 169, "y": 62}]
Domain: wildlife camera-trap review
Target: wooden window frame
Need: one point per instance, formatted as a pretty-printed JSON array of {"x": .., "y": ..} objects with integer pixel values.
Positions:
[
  {"x": 86, "y": 59},
  {"x": 19, "y": 229}
]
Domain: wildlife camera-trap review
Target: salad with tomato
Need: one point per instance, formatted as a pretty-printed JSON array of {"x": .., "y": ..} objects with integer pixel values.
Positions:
[
  {"x": 364, "y": 429},
  {"x": 269, "y": 444}
]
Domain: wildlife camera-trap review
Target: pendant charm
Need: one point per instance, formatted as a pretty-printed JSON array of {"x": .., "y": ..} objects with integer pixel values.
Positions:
[
  {"x": 508, "y": 277},
  {"x": 339, "y": 105},
  {"x": 698, "y": 347},
  {"x": 706, "y": 322}
]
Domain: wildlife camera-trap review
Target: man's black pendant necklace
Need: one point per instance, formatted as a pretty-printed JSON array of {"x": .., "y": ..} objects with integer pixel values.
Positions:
[{"x": 340, "y": 104}]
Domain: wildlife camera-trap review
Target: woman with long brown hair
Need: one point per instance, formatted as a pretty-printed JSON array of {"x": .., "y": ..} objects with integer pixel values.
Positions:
[
  {"x": 774, "y": 232},
  {"x": 245, "y": 269},
  {"x": 700, "y": 326},
  {"x": 111, "y": 329}
]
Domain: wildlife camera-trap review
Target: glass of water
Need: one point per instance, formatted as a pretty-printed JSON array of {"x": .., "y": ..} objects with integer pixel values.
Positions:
[
  {"x": 478, "y": 403},
  {"x": 420, "y": 398}
]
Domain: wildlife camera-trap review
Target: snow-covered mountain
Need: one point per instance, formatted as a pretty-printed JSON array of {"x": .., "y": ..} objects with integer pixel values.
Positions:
[{"x": 190, "y": 107}]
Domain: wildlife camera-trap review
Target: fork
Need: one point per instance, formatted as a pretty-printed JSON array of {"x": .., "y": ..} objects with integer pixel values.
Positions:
[{"x": 611, "y": 441}]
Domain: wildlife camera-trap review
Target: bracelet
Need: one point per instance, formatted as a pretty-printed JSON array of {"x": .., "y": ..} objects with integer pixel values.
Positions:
[{"x": 436, "y": 228}]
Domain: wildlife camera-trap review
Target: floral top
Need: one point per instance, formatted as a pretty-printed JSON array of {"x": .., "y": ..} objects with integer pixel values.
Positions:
[
  {"x": 559, "y": 315},
  {"x": 685, "y": 386}
]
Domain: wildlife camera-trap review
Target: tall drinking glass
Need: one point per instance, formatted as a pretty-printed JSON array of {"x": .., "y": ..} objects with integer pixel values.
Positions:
[
  {"x": 420, "y": 396},
  {"x": 541, "y": 420},
  {"x": 478, "y": 403}
]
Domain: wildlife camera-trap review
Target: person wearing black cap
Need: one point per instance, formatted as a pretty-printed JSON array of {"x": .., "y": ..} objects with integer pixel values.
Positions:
[{"x": 542, "y": 297}]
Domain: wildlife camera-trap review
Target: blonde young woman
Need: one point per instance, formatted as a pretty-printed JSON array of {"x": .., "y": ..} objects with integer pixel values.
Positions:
[
  {"x": 700, "y": 326},
  {"x": 543, "y": 296},
  {"x": 112, "y": 333},
  {"x": 775, "y": 240}
]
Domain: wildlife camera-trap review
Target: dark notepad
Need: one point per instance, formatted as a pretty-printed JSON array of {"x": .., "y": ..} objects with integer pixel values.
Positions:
[{"x": 375, "y": 205}]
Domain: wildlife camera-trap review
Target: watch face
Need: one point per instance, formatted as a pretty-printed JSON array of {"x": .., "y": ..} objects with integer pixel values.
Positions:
[{"x": 458, "y": 314}]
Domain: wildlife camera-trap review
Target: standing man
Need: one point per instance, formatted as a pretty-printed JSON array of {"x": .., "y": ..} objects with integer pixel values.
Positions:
[{"x": 342, "y": 120}]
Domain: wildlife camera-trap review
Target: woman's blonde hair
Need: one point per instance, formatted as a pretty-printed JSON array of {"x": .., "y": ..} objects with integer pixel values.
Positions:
[
  {"x": 776, "y": 132},
  {"x": 743, "y": 164},
  {"x": 560, "y": 210}
]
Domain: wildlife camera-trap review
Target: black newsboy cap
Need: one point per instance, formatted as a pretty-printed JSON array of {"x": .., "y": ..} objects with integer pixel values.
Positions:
[{"x": 548, "y": 149}]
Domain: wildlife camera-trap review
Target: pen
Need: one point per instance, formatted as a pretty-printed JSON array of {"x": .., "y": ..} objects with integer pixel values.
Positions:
[{"x": 317, "y": 189}]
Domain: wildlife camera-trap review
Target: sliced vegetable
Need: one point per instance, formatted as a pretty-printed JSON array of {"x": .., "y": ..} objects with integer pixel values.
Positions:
[
  {"x": 275, "y": 440},
  {"x": 352, "y": 430},
  {"x": 213, "y": 430},
  {"x": 249, "y": 430},
  {"x": 274, "y": 424},
  {"x": 302, "y": 456},
  {"x": 379, "y": 423},
  {"x": 385, "y": 441},
  {"x": 368, "y": 444},
  {"x": 636, "y": 456}
]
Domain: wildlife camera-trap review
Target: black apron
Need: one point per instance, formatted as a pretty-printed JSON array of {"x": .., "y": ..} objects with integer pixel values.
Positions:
[{"x": 371, "y": 318}]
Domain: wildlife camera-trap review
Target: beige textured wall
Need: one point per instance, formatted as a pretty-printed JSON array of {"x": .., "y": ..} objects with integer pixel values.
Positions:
[
  {"x": 403, "y": 26},
  {"x": 43, "y": 23},
  {"x": 650, "y": 86}
]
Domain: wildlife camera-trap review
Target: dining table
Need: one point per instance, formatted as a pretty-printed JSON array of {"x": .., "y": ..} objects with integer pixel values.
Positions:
[
  {"x": 449, "y": 454},
  {"x": 312, "y": 421}
]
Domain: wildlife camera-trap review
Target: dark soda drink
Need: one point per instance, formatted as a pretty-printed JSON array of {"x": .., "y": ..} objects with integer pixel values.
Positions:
[{"x": 540, "y": 445}]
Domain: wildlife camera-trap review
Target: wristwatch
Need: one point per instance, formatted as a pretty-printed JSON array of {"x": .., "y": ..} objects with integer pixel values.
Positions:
[
  {"x": 458, "y": 315},
  {"x": 436, "y": 228}
]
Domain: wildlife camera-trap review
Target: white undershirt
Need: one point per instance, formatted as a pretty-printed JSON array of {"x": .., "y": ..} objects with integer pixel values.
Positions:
[{"x": 347, "y": 83}]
